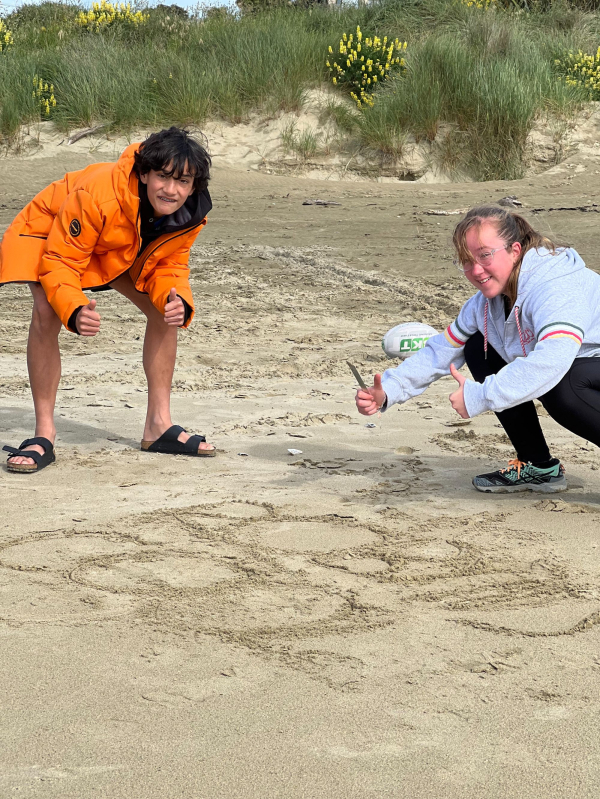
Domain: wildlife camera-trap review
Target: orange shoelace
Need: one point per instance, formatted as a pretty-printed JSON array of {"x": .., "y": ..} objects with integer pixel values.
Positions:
[{"x": 514, "y": 464}]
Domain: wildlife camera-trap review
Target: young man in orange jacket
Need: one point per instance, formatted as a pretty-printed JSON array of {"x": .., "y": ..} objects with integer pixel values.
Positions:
[{"x": 128, "y": 226}]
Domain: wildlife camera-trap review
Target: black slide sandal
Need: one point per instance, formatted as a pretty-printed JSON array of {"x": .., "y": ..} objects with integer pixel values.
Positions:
[
  {"x": 168, "y": 444},
  {"x": 41, "y": 461}
]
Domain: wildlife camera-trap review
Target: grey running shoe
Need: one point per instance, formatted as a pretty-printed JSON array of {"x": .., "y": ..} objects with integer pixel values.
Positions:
[{"x": 519, "y": 476}]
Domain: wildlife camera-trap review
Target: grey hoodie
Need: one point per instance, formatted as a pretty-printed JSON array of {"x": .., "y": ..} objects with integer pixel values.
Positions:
[{"x": 555, "y": 319}]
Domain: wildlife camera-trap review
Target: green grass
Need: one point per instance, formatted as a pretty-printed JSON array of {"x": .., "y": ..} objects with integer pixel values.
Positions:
[
  {"x": 486, "y": 82},
  {"x": 305, "y": 143},
  {"x": 475, "y": 83}
]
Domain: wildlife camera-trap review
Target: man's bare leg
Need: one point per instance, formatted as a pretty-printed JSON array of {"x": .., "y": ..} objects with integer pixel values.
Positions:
[
  {"x": 160, "y": 352},
  {"x": 43, "y": 363}
]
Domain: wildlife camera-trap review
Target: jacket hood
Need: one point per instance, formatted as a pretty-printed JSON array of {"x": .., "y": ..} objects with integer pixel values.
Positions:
[
  {"x": 125, "y": 184},
  {"x": 541, "y": 265}
]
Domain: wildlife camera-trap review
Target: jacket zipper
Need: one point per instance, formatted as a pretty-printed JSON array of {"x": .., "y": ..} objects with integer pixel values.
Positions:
[{"x": 144, "y": 256}]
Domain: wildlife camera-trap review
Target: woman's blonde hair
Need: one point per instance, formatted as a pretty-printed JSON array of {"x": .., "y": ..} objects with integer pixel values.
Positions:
[{"x": 511, "y": 228}]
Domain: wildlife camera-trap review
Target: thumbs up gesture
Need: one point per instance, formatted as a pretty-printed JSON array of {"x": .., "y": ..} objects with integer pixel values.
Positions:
[
  {"x": 174, "y": 310},
  {"x": 369, "y": 400},
  {"x": 457, "y": 398},
  {"x": 88, "y": 320}
]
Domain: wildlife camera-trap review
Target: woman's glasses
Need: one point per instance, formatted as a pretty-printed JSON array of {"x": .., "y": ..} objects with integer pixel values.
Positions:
[{"x": 483, "y": 259}]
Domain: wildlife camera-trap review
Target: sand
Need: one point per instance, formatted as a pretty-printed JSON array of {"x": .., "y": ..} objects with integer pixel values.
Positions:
[{"x": 351, "y": 621}]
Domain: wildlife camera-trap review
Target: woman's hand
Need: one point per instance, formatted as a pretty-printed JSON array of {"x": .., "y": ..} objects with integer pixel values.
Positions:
[
  {"x": 87, "y": 320},
  {"x": 174, "y": 310},
  {"x": 457, "y": 398},
  {"x": 370, "y": 400}
]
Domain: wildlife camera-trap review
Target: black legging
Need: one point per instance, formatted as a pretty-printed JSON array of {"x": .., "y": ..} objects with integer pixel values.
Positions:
[{"x": 574, "y": 403}]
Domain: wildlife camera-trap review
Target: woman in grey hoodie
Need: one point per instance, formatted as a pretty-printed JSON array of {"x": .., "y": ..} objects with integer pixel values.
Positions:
[{"x": 532, "y": 331}]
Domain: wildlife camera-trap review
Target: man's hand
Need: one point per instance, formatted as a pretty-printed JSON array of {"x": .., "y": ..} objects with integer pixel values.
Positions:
[
  {"x": 88, "y": 320},
  {"x": 457, "y": 398},
  {"x": 174, "y": 310},
  {"x": 370, "y": 400}
]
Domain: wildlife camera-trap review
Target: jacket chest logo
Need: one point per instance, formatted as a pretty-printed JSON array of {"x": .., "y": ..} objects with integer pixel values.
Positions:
[{"x": 75, "y": 228}]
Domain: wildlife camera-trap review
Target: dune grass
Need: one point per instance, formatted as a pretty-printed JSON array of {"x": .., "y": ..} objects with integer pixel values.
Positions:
[
  {"x": 483, "y": 77},
  {"x": 490, "y": 84}
]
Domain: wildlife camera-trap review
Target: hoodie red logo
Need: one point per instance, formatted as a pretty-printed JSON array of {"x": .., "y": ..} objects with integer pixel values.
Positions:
[{"x": 527, "y": 336}]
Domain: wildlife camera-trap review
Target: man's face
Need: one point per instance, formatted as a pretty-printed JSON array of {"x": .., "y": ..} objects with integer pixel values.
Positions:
[{"x": 168, "y": 194}]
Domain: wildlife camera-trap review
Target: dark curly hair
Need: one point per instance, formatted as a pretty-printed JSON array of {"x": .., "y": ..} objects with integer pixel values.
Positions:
[{"x": 170, "y": 151}]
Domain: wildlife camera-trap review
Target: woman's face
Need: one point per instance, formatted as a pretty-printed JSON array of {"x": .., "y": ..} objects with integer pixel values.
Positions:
[{"x": 491, "y": 277}]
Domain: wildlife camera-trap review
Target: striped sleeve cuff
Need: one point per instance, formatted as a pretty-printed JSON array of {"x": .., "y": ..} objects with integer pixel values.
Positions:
[
  {"x": 455, "y": 336},
  {"x": 561, "y": 330}
]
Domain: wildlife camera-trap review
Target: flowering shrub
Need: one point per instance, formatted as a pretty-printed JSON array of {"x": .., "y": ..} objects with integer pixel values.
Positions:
[
  {"x": 362, "y": 63},
  {"x": 484, "y": 4},
  {"x": 6, "y": 37},
  {"x": 581, "y": 69},
  {"x": 104, "y": 15},
  {"x": 44, "y": 93}
]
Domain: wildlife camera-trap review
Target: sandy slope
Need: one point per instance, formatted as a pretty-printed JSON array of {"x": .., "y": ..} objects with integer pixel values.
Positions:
[{"x": 352, "y": 621}]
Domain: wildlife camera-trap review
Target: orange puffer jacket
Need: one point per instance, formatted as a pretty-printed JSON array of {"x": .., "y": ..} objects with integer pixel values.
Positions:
[{"x": 84, "y": 231}]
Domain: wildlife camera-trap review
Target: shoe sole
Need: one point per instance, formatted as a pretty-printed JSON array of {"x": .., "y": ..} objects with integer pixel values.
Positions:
[
  {"x": 27, "y": 468},
  {"x": 201, "y": 453},
  {"x": 22, "y": 468},
  {"x": 540, "y": 488}
]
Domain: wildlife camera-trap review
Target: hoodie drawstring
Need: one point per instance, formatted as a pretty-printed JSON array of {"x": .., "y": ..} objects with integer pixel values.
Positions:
[
  {"x": 519, "y": 329},
  {"x": 485, "y": 330},
  {"x": 485, "y": 316}
]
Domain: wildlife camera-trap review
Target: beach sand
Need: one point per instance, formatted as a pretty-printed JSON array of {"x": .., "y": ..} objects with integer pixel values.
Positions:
[{"x": 347, "y": 622}]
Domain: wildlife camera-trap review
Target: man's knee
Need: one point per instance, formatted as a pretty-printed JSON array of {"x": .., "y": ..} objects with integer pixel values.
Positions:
[
  {"x": 124, "y": 285},
  {"x": 43, "y": 317},
  {"x": 153, "y": 316}
]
